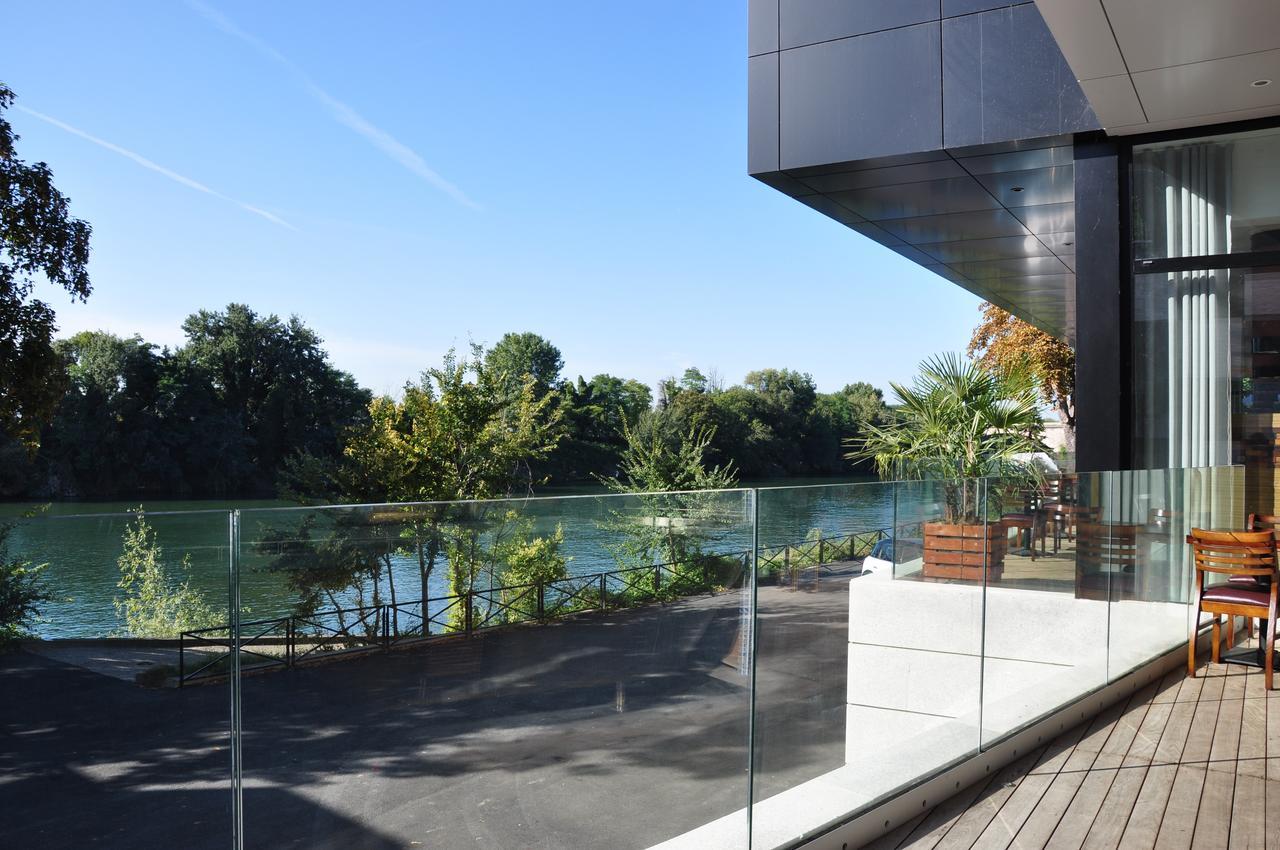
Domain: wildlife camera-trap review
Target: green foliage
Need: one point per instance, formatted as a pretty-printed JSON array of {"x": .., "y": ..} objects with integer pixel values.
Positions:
[
  {"x": 157, "y": 603},
  {"x": 501, "y": 550},
  {"x": 959, "y": 422},
  {"x": 458, "y": 434},
  {"x": 217, "y": 417},
  {"x": 520, "y": 356},
  {"x": 22, "y": 591},
  {"x": 39, "y": 241},
  {"x": 670, "y": 475}
]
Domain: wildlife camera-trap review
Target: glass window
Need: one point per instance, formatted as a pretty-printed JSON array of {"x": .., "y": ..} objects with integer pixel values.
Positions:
[
  {"x": 1206, "y": 340},
  {"x": 1209, "y": 195}
]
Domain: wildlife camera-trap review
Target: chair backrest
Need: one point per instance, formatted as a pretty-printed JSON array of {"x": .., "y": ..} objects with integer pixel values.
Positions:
[
  {"x": 1246, "y": 553},
  {"x": 1262, "y": 522}
]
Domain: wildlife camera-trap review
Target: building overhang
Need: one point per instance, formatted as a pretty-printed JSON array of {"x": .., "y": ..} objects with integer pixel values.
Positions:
[
  {"x": 1154, "y": 65},
  {"x": 997, "y": 219}
]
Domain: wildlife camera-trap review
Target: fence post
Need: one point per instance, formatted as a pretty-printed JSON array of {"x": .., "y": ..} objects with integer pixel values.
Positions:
[
  {"x": 386, "y": 628},
  {"x": 604, "y": 602},
  {"x": 786, "y": 566},
  {"x": 542, "y": 601},
  {"x": 182, "y": 658},
  {"x": 657, "y": 578},
  {"x": 467, "y": 614},
  {"x": 288, "y": 642},
  {"x": 821, "y": 561}
]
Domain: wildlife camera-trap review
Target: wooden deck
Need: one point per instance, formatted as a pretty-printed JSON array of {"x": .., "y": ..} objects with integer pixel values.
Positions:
[{"x": 1183, "y": 763}]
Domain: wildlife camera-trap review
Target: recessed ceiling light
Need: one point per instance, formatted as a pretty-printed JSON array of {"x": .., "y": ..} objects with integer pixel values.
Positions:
[
  {"x": 1068, "y": 244},
  {"x": 1257, "y": 84},
  {"x": 1017, "y": 188}
]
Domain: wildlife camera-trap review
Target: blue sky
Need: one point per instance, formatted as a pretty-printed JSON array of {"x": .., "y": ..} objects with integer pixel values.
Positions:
[{"x": 409, "y": 176}]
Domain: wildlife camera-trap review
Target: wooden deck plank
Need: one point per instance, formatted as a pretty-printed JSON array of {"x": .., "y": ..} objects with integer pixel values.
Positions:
[
  {"x": 1271, "y": 790},
  {"x": 1178, "y": 825},
  {"x": 966, "y": 831},
  {"x": 1109, "y": 826},
  {"x": 1143, "y": 828},
  {"x": 1078, "y": 819},
  {"x": 1000, "y": 833},
  {"x": 1183, "y": 763},
  {"x": 928, "y": 832},
  {"x": 1248, "y": 812}
]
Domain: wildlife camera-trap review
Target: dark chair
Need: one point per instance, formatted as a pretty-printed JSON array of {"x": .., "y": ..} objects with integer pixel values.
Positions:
[{"x": 1234, "y": 554}]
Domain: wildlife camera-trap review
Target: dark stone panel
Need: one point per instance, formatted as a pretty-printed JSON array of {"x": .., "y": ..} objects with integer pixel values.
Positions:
[
  {"x": 784, "y": 183},
  {"x": 872, "y": 163},
  {"x": 984, "y": 224},
  {"x": 1005, "y": 78},
  {"x": 1047, "y": 218},
  {"x": 1031, "y": 188},
  {"x": 832, "y": 209},
  {"x": 762, "y": 113},
  {"x": 810, "y": 21},
  {"x": 977, "y": 250},
  {"x": 951, "y": 8},
  {"x": 1102, "y": 355},
  {"x": 847, "y": 181},
  {"x": 913, "y": 200},
  {"x": 1018, "y": 160},
  {"x": 1016, "y": 268},
  {"x": 762, "y": 26},
  {"x": 869, "y": 96}
]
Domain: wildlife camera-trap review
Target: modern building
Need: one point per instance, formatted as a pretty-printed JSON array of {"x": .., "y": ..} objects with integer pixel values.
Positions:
[{"x": 1108, "y": 170}]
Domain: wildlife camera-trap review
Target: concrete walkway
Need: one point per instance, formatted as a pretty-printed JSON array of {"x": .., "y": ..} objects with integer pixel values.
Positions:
[{"x": 616, "y": 731}]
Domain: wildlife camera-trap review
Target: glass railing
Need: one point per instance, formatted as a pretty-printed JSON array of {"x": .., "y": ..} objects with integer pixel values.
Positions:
[{"x": 740, "y": 668}]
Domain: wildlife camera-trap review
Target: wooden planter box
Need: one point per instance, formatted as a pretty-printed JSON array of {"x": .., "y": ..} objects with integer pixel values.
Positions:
[{"x": 958, "y": 551}]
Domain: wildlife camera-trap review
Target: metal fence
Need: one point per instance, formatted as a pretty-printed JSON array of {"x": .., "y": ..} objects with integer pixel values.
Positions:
[{"x": 297, "y": 639}]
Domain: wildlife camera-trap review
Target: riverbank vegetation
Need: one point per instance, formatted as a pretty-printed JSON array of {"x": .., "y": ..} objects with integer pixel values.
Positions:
[{"x": 251, "y": 406}]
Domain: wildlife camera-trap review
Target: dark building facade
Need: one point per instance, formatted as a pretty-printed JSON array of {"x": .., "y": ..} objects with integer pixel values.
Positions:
[{"x": 1108, "y": 170}]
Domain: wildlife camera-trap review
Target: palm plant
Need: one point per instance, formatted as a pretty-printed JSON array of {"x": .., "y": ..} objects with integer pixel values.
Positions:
[{"x": 958, "y": 422}]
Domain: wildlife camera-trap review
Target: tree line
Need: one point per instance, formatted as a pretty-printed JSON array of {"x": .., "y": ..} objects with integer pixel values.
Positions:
[{"x": 250, "y": 404}]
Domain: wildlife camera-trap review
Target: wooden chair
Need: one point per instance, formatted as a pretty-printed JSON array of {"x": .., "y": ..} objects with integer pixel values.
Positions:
[
  {"x": 1255, "y": 522},
  {"x": 1234, "y": 554}
]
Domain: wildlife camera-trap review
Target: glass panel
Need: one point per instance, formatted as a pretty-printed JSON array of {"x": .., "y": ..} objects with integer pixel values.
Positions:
[
  {"x": 1207, "y": 373},
  {"x": 1048, "y": 577},
  {"x": 1210, "y": 195},
  {"x": 859, "y": 692},
  {"x": 1155, "y": 509},
  {"x": 815, "y": 542},
  {"x": 101, "y": 744},
  {"x": 562, "y": 672}
]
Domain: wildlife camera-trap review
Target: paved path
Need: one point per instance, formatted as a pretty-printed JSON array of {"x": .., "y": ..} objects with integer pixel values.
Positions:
[{"x": 613, "y": 731}]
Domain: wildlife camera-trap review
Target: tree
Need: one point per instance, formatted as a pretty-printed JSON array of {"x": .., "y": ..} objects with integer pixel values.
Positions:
[
  {"x": 157, "y": 603},
  {"x": 1003, "y": 342},
  {"x": 669, "y": 475},
  {"x": 457, "y": 435},
  {"x": 276, "y": 380},
  {"x": 958, "y": 422},
  {"x": 109, "y": 435},
  {"x": 520, "y": 355},
  {"x": 595, "y": 414},
  {"x": 22, "y": 591},
  {"x": 39, "y": 239}
]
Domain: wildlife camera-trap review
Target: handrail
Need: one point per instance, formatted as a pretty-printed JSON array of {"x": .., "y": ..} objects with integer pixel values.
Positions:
[{"x": 384, "y": 636}]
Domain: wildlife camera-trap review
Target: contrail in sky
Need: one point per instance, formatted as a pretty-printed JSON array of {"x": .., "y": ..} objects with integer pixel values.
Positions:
[
  {"x": 339, "y": 111},
  {"x": 153, "y": 166}
]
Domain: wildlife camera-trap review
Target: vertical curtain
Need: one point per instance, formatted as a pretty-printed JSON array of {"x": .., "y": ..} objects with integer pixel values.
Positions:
[{"x": 1183, "y": 324}]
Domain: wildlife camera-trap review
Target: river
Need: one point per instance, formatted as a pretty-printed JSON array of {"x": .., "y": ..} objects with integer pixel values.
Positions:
[{"x": 80, "y": 542}]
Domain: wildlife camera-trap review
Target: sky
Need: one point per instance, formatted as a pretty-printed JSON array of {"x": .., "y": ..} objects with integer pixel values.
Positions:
[{"x": 409, "y": 177}]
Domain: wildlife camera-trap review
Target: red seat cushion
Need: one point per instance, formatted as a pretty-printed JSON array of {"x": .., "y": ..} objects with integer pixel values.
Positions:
[
  {"x": 1244, "y": 581},
  {"x": 1234, "y": 594}
]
